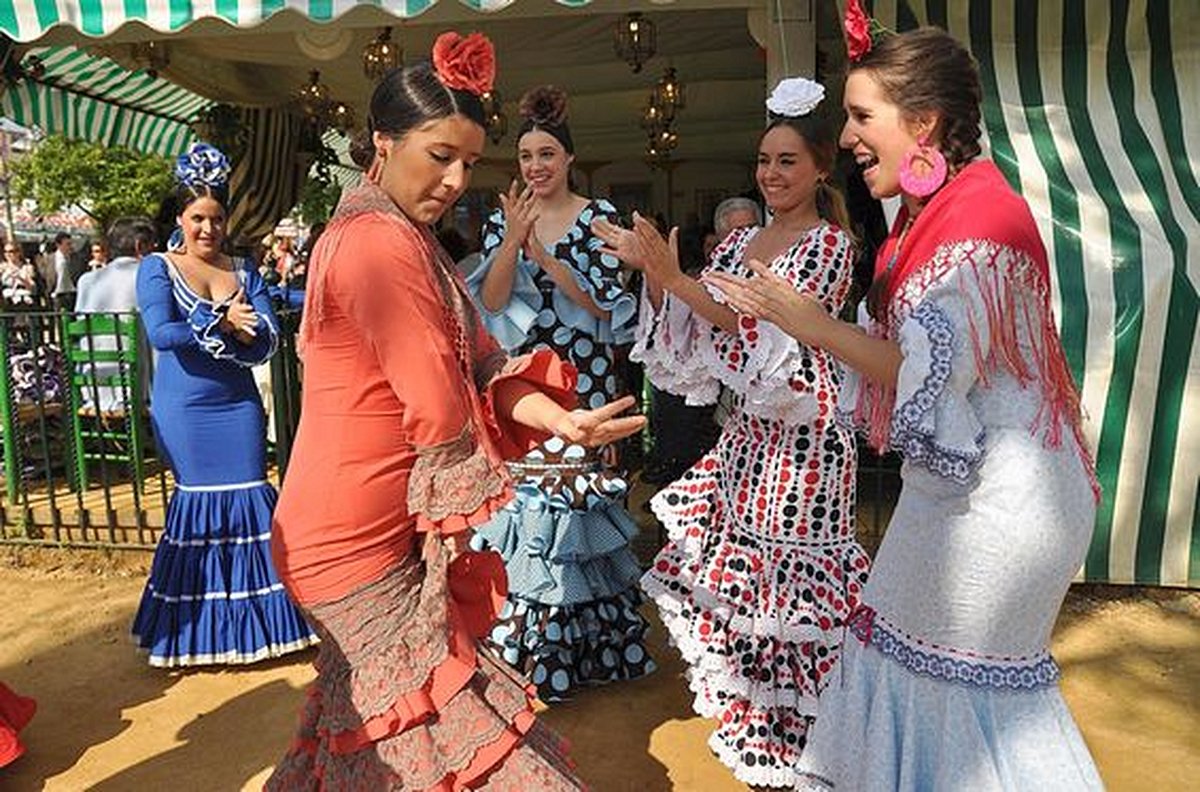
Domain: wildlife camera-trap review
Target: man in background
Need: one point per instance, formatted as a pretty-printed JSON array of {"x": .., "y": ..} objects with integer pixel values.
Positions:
[
  {"x": 64, "y": 282},
  {"x": 113, "y": 290}
]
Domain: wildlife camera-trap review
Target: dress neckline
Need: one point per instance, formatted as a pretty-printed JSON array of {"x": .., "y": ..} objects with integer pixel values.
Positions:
[
  {"x": 787, "y": 252},
  {"x": 182, "y": 280}
]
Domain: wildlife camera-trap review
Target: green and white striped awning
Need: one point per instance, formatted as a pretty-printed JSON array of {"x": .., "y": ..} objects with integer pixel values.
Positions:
[
  {"x": 88, "y": 97},
  {"x": 28, "y": 20},
  {"x": 1090, "y": 110}
]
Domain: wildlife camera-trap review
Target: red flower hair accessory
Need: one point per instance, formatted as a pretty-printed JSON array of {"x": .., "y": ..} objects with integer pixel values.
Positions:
[
  {"x": 858, "y": 30},
  {"x": 465, "y": 63}
]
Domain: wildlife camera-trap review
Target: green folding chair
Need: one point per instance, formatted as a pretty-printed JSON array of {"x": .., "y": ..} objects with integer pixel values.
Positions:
[{"x": 106, "y": 399}]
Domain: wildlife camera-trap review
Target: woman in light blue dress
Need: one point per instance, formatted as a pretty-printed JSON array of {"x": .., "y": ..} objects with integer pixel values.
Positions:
[{"x": 572, "y": 616}]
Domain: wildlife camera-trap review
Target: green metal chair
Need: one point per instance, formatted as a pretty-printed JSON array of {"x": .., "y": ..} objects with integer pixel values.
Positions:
[{"x": 106, "y": 401}]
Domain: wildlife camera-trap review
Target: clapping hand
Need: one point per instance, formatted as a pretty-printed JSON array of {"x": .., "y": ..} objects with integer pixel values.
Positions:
[
  {"x": 642, "y": 248},
  {"x": 519, "y": 213},
  {"x": 600, "y": 426},
  {"x": 240, "y": 317},
  {"x": 769, "y": 296}
]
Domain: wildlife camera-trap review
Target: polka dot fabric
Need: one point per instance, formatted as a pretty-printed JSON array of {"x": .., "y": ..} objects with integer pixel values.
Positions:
[
  {"x": 762, "y": 568},
  {"x": 572, "y": 617}
]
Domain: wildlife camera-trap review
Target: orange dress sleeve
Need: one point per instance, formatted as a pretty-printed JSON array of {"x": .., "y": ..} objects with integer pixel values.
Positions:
[
  {"x": 383, "y": 280},
  {"x": 543, "y": 369}
]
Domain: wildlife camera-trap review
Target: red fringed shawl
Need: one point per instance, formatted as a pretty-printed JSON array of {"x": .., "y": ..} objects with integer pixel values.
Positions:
[{"x": 978, "y": 213}]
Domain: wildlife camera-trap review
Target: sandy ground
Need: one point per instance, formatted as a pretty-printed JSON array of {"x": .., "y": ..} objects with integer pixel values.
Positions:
[{"x": 1131, "y": 662}]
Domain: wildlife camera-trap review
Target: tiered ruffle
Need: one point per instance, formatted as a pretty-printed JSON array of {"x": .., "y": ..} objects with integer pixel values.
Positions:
[
  {"x": 757, "y": 619},
  {"x": 402, "y": 701},
  {"x": 572, "y": 616},
  {"x": 213, "y": 595}
]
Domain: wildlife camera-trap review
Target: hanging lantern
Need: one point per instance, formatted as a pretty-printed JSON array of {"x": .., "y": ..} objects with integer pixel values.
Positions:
[
  {"x": 634, "y": 40},
  {"x": 495, "y": 122},
  {"x": 669, "y": 92},
  {"x": 341, "y": 118},
  {"x": 313, "y": 97},
  {"x": 381, "y": 55}
]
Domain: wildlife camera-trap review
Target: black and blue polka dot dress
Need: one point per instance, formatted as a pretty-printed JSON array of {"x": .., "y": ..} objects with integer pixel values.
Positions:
[{"x": 572, "y": 616}]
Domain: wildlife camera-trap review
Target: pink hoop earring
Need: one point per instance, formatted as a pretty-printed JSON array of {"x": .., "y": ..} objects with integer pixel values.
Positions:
[{"x": 923, "y": 170}]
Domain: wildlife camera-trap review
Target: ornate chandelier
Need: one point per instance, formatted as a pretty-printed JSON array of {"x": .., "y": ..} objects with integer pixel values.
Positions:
[
  {"x": 634, "y": 40},
  {"x": 381, "y": 55}
]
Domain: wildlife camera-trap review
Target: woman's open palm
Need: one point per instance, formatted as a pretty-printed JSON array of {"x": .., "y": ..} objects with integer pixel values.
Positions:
[{"x": 600, "y": 426}]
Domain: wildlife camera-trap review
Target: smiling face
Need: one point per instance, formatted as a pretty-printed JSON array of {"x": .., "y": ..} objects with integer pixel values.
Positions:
[
  {"x": 429, "y": 167},
  {"x": 545, "y": 163},
  {"x": 877, "y": 133},
  {"x": 203, "y": 224},
  {"x": 787, "y": 175}
]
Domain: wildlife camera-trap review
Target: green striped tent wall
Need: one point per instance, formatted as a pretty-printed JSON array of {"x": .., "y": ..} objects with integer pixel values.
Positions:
[
  {"x": 26, "y": 20},
  {"x": 1091, "y": 110}
]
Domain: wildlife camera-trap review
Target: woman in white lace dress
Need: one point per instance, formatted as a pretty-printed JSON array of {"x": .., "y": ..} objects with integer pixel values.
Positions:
[
  {"x": 946, "y": 682},
  {"x": 762, "y": 567}
]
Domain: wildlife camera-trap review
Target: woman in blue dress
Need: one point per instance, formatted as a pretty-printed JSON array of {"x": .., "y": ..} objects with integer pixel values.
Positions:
[
  {"x": 213, "y": 595},
  {"x": 572, "y": 616}
]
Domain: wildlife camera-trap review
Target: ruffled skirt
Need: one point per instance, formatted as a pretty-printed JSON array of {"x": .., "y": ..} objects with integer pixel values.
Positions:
[
  {"x": 402, "y": 701},
  {"x": 213, "y": 595},
  {"x": 572, "y": 613},
  {"x": 757, "y": 616}
]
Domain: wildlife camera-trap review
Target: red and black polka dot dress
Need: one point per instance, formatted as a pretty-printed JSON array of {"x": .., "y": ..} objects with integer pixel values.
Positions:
[{"x": 762, "y": 567}]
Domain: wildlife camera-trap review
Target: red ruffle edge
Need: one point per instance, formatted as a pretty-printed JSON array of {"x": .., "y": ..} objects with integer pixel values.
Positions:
[
  {"x": 549, "y": 374},
  {"x": 15, "y": 713}
]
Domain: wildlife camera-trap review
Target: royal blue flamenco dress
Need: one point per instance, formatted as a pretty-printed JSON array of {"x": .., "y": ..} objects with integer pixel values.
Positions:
[{"x": 213, "y": 596}]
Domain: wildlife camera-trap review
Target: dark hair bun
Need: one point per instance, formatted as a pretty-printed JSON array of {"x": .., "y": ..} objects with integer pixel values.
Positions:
[
  {"x": 362, "y": 149},
  {"x": 544, "y": 106}
]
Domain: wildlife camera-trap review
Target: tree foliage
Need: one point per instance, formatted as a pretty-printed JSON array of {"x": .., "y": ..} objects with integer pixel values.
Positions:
[
  {"x": 107, "y": 183},
  {"x": 320, "y": 192}
]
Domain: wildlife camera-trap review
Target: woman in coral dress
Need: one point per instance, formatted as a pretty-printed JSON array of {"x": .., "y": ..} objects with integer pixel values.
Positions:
[
  {"x": 409, "y": 409},
  {"x": 763, "y": 567}
]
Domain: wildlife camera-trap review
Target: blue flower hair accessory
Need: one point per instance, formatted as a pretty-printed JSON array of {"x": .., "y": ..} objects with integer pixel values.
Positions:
[{"x": 202, "y": 164}]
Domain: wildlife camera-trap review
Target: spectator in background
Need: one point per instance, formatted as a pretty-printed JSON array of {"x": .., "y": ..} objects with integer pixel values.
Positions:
[
  {"x": 64, "y": 283},
  {"x": 736, "y": 212},
  {"x": 113, "y": 290},
  {"x": 99, "y": 256},
  {"x": 18, "y": 278}
]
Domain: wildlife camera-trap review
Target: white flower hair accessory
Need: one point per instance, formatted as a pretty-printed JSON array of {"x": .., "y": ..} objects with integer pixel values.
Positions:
[{"x": 795, "y": 96}]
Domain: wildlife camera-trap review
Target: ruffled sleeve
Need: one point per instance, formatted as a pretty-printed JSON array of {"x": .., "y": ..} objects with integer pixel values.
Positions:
[
  {"x": 597, "y": 274},
  {"x": 777, "y": 377},
  {"x": 512, "y": 324},
  {"x": 933, "y": 422},
  {"x": 542, "y": 369},
  {"x": 162, "y": 299},
  {"x": 382, "y": 278},
  {"x": 205, "y": 325}
]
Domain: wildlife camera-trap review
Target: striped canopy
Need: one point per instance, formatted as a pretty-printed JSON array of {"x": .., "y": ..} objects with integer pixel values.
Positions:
[
  {"x": 27, "y": 20},
  {"x": 1090, "y": 109},
  {"x": 82, "y": 96}
]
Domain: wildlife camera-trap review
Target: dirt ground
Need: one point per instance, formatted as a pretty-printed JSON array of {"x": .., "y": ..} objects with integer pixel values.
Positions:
[{"x": 107, "y": 721}]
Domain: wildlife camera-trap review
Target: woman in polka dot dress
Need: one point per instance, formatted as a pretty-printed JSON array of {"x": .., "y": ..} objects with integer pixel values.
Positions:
[
  {"x": 762, "y": 567},
  {"x": 572, "y": 615}
]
